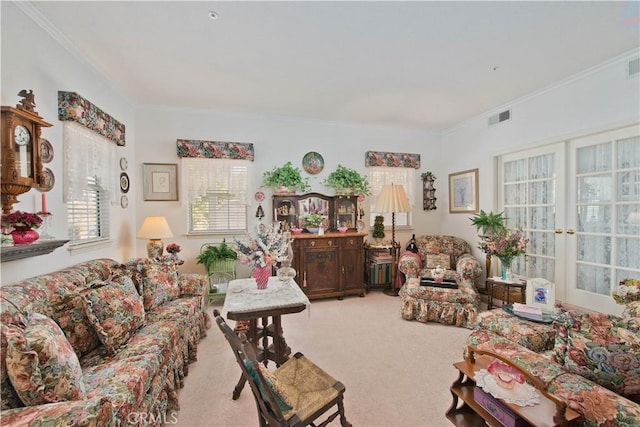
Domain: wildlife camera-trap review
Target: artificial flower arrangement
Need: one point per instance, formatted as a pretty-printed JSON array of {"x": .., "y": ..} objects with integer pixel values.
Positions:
[
  {"x": 268, "y": 246},
  {"x": 20, "y": 219},
  {"x": 628, "y": 290},
  {"x": 173, "y": 248},
  {"x": 505, "y": 245}
]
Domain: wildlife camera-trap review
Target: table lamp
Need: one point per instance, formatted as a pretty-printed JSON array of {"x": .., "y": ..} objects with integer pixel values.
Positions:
[
  {"x": 392, "y": 199},
  {"x": 154, "y": 228}
]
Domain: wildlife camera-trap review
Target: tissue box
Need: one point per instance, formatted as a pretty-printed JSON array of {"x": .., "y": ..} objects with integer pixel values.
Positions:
[{"x": 498, "y": 409}]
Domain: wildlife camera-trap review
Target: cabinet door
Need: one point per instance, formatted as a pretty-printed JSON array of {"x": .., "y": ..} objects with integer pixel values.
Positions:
[
  {"x": 351, "y": 257},
  {"x": 346, "y": 212},
  {"x": 319, "y": 267},
  {"x": 285, "y": 209}
]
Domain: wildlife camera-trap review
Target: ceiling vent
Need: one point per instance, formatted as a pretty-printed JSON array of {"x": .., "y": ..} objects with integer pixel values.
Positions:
[
  {"x": 500, "y": 117},
  {"x": 633, "y": 67}
]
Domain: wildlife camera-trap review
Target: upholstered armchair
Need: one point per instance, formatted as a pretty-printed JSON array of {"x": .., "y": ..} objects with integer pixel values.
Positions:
[
  {"x": 449, "y": 252},
  {"x": 452, "y": 306}
]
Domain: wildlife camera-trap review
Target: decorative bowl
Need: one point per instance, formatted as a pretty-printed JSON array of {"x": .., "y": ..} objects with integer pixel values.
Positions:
[
  {"x": 296, "y": 230},
  {"x": 342, "y": 229}
]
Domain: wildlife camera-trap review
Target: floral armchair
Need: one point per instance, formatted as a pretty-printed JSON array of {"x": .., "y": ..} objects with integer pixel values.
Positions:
[{"x": 435, "y": 250}]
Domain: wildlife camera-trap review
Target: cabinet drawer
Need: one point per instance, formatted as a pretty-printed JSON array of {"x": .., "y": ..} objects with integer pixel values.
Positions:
[
  {"x": 351, "y": 242},
  {"x": 320, "y": 243}
]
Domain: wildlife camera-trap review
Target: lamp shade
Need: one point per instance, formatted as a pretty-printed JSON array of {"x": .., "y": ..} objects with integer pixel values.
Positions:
[
  {"x": 154, "y": 227},
  {"x": 392, "y": 199}
]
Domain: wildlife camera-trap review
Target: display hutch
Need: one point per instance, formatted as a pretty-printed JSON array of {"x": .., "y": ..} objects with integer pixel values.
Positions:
[{"x": 328, "y": 265}]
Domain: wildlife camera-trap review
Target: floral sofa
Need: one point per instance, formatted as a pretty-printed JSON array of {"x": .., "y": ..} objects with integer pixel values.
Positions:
[
  {"x": 432, "y": 304},
  {"x": 99, "y": 343},
  {"x": 591, "y": 361}
]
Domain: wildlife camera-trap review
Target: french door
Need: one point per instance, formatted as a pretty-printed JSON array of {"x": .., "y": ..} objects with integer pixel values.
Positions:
[{"x": 579, "y": 203}]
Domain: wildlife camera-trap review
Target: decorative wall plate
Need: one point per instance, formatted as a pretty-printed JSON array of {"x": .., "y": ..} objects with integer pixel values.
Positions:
[
  {"x": 124, "y": 182},
  {"x": 259, "y": 196},
  {"x": 124, "y": 163},
  {"x": 313, "y": 163},
  {"x": 46, "y": 151},
  {"x": 124, "y": 201},
  {"x": 49, "y": 181}
]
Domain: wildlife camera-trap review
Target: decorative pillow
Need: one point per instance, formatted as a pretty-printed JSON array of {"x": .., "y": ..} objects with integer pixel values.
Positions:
[
  {"x": 632, "y": 309},
  {"x": 603, "y": 348},
  {"x": 442, "y": 260},
  {"x": 41, "y": 363},
  {"x": 115, "y": 310},
  {"x": 156, "y": 281},
  {"x": 273, "y": 384}
]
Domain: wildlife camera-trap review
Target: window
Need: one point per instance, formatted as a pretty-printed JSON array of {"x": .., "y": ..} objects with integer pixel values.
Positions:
[
  {"x": 380, "y": 176},
  {"x": 217, "y": 194},
  {"x": 89, "y": 183}
]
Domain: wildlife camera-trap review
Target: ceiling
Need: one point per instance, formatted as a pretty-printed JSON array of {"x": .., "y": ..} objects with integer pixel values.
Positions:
[{"x": 427, "y": 65}]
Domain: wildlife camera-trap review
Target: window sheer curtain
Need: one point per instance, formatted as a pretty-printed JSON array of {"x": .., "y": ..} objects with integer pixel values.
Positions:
[
  {"x": 379, "y": 176},
  {"x": 88, "y": 157}
]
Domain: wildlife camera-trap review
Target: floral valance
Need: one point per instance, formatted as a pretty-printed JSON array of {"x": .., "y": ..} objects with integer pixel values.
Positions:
[
  {"x": 397, "y": 160},
  {"x": 215, "y": 149},
  {"x": 73, "y": 107}
]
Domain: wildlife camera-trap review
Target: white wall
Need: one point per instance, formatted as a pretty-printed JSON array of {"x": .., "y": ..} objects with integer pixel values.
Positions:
[
  {"x": 596, "y": 100},
  {"x": 31, "y": 59},
  {"x": 276, "y": 140}
]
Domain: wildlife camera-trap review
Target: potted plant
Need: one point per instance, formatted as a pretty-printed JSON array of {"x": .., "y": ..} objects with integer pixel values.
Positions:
[
  {"x": 218, "y": 259},
  {"x": 378, "y": 228},
  {"x": 347, "y": 181},
  {"x": 489, "y": 224},
  {"x": 312, "y": 221},
  {"x": 428, "y": 176},
  {"x": 285, "y": 179}
]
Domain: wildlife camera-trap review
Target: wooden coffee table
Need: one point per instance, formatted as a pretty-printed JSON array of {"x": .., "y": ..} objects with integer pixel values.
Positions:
[
  {"x": 549, "y": 412},
  {"x": 495, "y": 284}
]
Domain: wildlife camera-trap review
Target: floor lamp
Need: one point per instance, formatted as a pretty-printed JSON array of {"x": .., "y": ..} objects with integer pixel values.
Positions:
[{"x": 392, "y": 199}]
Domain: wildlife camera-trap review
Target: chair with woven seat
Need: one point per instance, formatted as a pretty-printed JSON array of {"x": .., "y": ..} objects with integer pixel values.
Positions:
[{"x": 295, "y": 394}]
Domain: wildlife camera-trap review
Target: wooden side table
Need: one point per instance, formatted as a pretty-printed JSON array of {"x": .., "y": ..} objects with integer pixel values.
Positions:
[{"x": 495, "y": 284}]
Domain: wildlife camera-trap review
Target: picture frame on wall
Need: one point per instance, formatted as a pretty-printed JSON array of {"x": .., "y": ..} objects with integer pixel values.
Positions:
[
  {"x": 541, "y": 293},
  {"x": 160, "y": 181},
  {"x": 463, "y": 192}
]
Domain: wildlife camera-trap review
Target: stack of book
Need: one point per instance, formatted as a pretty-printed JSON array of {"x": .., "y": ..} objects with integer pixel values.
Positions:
[
  {"x": 527, "y": 311},
  {"x": 379, "y": 273},
  {"x": 381, "y": 257}
]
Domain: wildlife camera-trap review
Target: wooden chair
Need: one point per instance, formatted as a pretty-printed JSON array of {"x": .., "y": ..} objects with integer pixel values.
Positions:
[{"x": 295, "y": 394}]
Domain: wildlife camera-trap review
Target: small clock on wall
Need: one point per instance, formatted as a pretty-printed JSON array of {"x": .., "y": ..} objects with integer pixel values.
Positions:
[{"x": 21, "y": 150}]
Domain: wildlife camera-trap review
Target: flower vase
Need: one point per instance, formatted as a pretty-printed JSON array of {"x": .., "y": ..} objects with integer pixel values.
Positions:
[
  {"x": 262, "y": 274},
  {"x": 506, "y": 269},
  {"x": 24, "y": 236}
]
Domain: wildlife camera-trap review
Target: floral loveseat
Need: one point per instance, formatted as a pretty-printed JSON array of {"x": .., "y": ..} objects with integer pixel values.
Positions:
[
  {"x": 99, "y": 343},
  {"x": 432, "y": 304},
  {"x": 591, "y": 361}
]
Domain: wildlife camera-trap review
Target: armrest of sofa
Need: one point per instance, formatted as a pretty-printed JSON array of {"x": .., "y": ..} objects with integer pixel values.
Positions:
[
  {"x": 468, "y": 267},
  {"x": 90, "y": 412},
  {"x": 410, "y": 264},
  {"x": 192, "y": 284}
]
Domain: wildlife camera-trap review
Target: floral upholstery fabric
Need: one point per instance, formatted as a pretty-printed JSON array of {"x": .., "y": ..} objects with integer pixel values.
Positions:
[
  {"x": 603, "y": 348},
  {"x": 114, "y": 309},
  {"x": 156, "y": 281},
  {"x": 431, "y": 304},
  {"x": 41, "y": 364},
  {"x": 632, "y": 309},
  {"x": 598, "y": 405},
  {"x": 143, "y": 375},
  {"x": 538, "y": 337}
]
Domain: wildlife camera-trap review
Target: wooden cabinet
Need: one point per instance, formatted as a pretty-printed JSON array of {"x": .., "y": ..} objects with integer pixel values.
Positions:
[
  {"x": 338, "y": 211},
  {"x": 329, "y": 265}
]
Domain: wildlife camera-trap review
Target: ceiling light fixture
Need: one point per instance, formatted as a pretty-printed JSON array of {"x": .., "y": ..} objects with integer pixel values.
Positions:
[{"x": 213, "y": 15}]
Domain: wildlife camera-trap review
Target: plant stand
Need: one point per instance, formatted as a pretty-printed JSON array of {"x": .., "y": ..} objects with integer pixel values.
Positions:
[{"x": 220, "y": 275}]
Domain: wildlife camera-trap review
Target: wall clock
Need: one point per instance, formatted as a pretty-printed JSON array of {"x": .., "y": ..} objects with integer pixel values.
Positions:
[
  {"x": 124, "y": 182},
  {"x": 21, "y": 153}
]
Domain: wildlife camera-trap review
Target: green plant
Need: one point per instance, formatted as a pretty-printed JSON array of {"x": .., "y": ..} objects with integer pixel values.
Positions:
[
  {"x": 345, "y": 180},
  {"x": 428, "y": 176},
  {"x": 286, "y": 176},
  {"x": 378, "y": 227},
  {"x": 313, "y": 219},
  {"x": 489, "y": 224},
  {"x": 213, "y": 254}
]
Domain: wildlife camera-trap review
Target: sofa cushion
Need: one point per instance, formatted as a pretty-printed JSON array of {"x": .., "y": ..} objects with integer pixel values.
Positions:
[
  {"x": 603, "y": 348},
  {"x": 41, "y": 363},
  {"x": 115, "y": 310},
  {"x": 538, "y": 337},
  {"x": 435, "y": 260},
  {"x": 157, "y": 281}
]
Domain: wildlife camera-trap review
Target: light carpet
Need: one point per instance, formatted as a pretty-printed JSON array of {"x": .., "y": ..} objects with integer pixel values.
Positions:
[{"x": 396, "y": 372}]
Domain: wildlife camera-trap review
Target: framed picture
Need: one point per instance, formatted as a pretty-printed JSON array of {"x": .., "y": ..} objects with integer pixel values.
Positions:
[
  {"x": 541, "y": 293},
  {"x": 463, "y": 192},
  {"x": 160, "y": 181}
]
